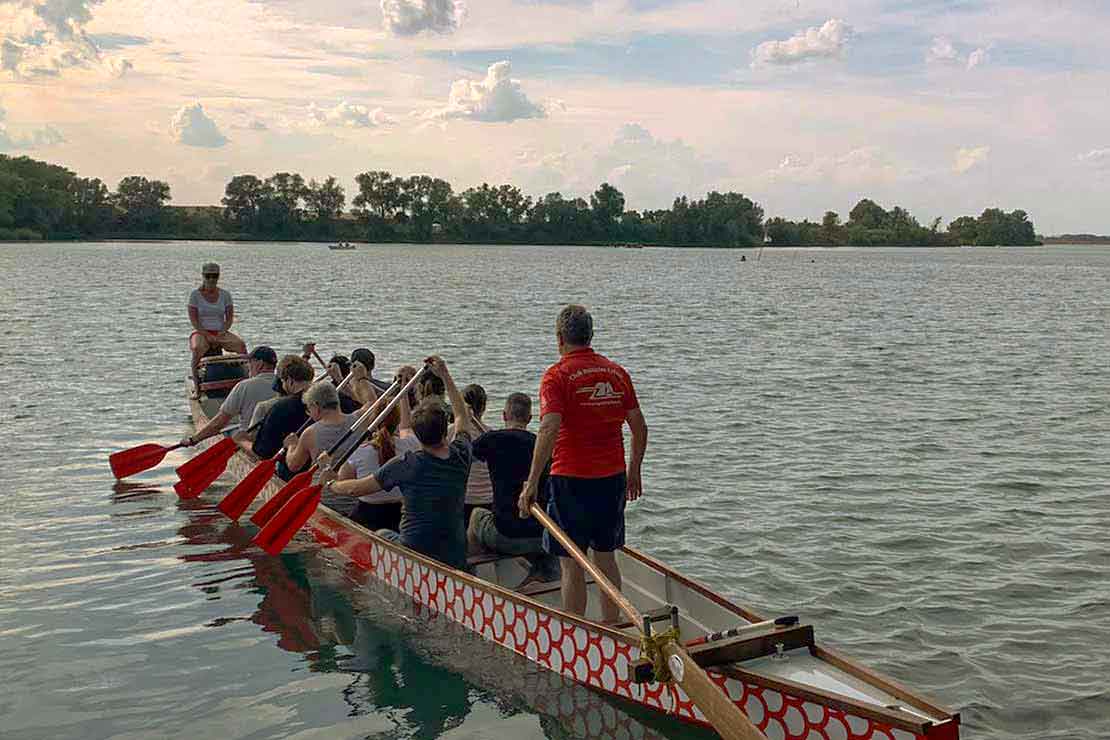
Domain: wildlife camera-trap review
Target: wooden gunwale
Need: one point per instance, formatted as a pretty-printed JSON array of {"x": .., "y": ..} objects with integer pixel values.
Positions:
[{"x": 324, "y": 523}]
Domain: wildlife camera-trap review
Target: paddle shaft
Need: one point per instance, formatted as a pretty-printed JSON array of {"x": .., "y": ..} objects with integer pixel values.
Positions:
[
  {"x": 726, "y": 717},
  {"x": 378, "y": 421}
]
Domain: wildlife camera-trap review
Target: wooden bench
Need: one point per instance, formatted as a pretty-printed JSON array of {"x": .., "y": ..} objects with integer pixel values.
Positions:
[{"x": 758, "y": 643}]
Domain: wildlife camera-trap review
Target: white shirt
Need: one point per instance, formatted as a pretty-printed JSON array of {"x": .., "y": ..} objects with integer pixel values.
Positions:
[{"x": 210, "y": 315}]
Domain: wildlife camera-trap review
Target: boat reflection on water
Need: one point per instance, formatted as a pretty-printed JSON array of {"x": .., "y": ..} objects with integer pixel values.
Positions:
[{"x": 404, "y": 661}]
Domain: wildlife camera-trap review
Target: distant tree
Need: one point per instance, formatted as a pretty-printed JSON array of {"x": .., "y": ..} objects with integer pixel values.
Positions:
[
  {"x": 91, "y": 205},
  {"x": 831, "y": 229},
  {"x": 379, "y": 193},
  {"x": 868, "y": 215},
  {"x": 964, "y": 230},
  {"x": 324, "y": 201},
  {"x": 607, "y": 205},
  {"x": 280, "y": 210},
  {"x": 141, "y": 203},
  {"x": 244, "y": 198}
]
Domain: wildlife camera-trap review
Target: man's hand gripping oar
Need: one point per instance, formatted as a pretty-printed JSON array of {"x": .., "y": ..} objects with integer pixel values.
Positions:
[{"x": 291, "y": 507}]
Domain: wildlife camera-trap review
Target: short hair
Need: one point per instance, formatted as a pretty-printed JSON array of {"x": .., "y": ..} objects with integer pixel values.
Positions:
[
  {"x": 575, "y": 325},
  {"x": 475, "y": 397},
  {"x": 518, "y": 407},
  {"x": 296, "y": 368},
  {"x": 430, "y": 384},
  {"x": 429, "y": 421},
  {"x": 210, "y": 268},
  {"x": 343, "y": 362},
  {"x": 365, "y": 356},
  {"x": 322, "y": 394}
]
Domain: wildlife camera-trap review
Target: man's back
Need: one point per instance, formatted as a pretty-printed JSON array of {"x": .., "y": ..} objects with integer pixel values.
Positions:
[
  {"x": 593, "y": 395},
  {"x": 508, "y": 452},
  {"x": 246, "y": 395},
  {"x": 286, "y": 416},
  {"x": 433, "y": 490}
]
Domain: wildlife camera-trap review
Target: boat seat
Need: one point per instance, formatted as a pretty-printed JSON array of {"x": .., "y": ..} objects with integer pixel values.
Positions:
[
  {"x": 755, "y": 644},
  {"x": 486, "y": 556}
]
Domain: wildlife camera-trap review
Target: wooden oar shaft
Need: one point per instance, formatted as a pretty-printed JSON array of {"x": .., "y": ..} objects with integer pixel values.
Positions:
[
  {"x": 631, "y": 612},
  {"x": 727, "y": 719}
]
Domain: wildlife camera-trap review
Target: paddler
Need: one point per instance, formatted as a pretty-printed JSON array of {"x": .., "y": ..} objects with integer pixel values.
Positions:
[
  {"x": 585, "y": 400},
  {"x": 244, "y": 397}
]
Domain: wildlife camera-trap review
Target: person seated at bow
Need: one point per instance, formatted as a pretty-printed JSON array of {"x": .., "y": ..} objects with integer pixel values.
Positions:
[
  {"x": 211, "y": 313},
  {"x": 432, "y": 481}
]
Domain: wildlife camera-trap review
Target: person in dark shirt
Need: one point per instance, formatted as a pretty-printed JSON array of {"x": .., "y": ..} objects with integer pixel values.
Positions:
[
  {"x": 287, "y": 415},
  {"x": 508, "y": 453},
  {"x": 432, "y": 480}
]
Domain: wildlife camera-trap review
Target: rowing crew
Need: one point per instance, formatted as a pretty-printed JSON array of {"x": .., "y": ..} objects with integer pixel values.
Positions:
[{"x": 425, "y": 459}]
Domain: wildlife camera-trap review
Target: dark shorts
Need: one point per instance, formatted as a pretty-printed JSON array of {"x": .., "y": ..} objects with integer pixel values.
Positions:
[{"x": 589, "y": 510}]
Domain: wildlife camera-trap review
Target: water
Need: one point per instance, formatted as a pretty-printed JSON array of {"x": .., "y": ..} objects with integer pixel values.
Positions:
[{"x": 906, "y": 447}]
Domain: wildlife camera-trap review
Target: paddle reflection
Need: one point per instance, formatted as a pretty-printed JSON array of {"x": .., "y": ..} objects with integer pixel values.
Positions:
[{"x": 405, "y": 662}]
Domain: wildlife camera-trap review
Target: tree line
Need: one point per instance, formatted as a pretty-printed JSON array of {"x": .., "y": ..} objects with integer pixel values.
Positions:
[{"x": 42, "y": 200}]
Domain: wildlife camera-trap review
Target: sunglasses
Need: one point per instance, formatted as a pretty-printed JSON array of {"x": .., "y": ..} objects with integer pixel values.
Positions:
[{"x": 212, "y": 276}]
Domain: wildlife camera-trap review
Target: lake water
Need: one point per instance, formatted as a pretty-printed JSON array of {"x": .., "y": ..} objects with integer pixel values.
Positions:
[{"x": 907, "y": 447}]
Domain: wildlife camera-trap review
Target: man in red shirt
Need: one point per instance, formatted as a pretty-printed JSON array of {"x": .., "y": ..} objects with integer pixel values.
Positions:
[{"x": 585, "y": 399}]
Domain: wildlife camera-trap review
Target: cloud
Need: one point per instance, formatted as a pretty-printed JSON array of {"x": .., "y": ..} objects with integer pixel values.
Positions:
[
  {"x": 350, "y": 115},
  {"x": 967, "y": 158},
  {"x": 942, "y": 51},
  {"x": 497, "y": 98},
  {"x": 35, "y": 139},
  {"x": 44, "y": 37},
  {"x": 862, "y": 166},
  {"x": 827, "y": 42},
  {"x": 411, "y": 17},
  {"x": 191, "y": 126},
  {"x": 1097, "y": 158},
  {"x": 977, "y": 58}
]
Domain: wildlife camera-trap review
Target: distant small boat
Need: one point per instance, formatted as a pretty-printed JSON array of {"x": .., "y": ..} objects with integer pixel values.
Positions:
[{"x": 341, "y": 245}]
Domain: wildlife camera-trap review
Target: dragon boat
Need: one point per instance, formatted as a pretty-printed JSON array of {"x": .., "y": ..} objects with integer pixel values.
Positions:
[{"x": 789, "y": 685}]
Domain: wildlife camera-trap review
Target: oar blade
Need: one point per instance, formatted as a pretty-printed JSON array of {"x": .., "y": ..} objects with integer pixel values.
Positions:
[
  {"x": 224, "y": 449},
  {"x": 271, "y": 507},
  {"x": 195, "y": 480},
  {"x": 288, "y": 520},
  {"x": 236, "y": 502},
  {"x": 137, "y": 459}
]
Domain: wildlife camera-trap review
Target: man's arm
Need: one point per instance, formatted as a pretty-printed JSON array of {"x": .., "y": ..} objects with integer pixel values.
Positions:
[
  {"x": 296, "y": 457},
  {"x": 545, "y": 445},
  {"x": 214, "y": 425},
  {"x": 638, "y": 425},
  {"x": 459, "y": 408},
  {"x": 355, "y": 487}
]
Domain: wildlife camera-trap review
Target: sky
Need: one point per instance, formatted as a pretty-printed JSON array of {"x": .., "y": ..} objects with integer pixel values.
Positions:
[{"x": 944, "y": 107}]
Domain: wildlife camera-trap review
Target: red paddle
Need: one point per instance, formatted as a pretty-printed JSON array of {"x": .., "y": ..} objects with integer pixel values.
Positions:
[
  {"x": 300, "y": 503},
  {"x": 245, "y": 492},
  {"x": 195, "y": 478},
  {"x": 137, "y": 459},
  {"x": 296, "y": 483}
]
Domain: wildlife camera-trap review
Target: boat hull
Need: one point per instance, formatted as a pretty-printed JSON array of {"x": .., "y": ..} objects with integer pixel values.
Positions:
[{"x": 591, "y": 654}]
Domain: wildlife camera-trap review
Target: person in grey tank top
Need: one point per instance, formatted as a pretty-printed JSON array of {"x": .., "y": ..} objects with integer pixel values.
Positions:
[{"x": 322, "y": 405}]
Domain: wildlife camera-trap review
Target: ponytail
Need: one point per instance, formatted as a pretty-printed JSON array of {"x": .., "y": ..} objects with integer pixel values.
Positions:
[{"x": 383, "y": 437}]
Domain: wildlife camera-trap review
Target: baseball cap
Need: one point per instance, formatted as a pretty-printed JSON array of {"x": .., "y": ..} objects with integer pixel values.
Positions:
[
  {"x": 210, "y": 268},
  {"x": 264, "y": 353}
]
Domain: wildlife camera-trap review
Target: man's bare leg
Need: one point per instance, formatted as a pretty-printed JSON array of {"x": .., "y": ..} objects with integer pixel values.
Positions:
[
  {"x": 607, "y": 564},
  {"x": 574, "y": 586}
]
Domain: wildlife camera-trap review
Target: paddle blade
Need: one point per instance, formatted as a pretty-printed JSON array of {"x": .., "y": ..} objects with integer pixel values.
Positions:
[
  {"x": 137, "y": 459},
  {"x": 288, "y": 520},
  {"x": 223, "y": 449},
  {"x": 236, "y": 502},
  {"x": 281, "y": 498},
  {"x": 194, "y": 480}
]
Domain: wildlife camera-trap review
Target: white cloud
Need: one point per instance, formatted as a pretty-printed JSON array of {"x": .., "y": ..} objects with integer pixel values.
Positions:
[
  {"x": 862, "y": 166},
  {"x": 942, "y": 50},
  {"x": 350, "y": 115},
  {"x": 967, "y": 158},
  {"x": 43, "y": 37},
  {"x": 191, "y": 126},
  {"x": 497, "y": 98},
  {"x": 977, "y": 58},
  {"x": 411, "y": 17},
  {"x": 826, "y": 42},
  {"x": 34, "y": 139},
  {"x": 1097, "y": 158}
]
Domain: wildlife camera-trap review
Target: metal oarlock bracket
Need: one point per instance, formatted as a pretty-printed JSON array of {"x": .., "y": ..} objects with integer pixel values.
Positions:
[{"x": 645, "y": 672}]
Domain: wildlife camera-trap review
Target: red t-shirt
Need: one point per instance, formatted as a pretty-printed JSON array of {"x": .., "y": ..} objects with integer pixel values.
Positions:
[{"x": 593, "y": 395}]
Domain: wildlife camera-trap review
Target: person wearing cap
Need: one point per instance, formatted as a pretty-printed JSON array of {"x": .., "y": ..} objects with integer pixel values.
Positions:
[
  {"x": 211, "y": 313},
  {"x": 244, "y": 396}
]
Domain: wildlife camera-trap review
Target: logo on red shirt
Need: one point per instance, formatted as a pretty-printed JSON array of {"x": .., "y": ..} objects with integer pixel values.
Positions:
[{"x": 602, "y": 391}]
